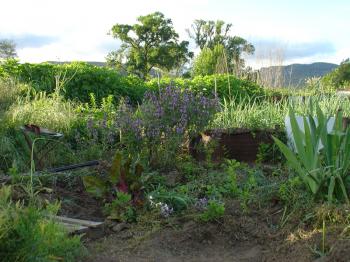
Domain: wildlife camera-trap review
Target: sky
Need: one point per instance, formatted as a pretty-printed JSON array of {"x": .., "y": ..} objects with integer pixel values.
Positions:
[{"x": 282, "y": 31}]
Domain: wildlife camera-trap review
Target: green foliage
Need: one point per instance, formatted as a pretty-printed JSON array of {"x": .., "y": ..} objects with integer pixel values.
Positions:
[
  {"x": 158, "y": 128},
  {"x": 122, "y": 176},
  {"x": 26, "y": 235},
  {"x": 324, "y": 171},
  {"x": 9, "y": 91},
  {"x": 151, "y": 43},
  {"x": 225, "y": 86},
  {"x": 49, "y": 111},
  {"x": 250, "y": 113},
  {"x": 340, "y": 77},
  {"x": 247, "y": 188},
  {"x": 78, "y": 81},
  {"x": 209, "y": 61},
  {"x": 231, "y": 170},
  {"x": 175, "y": 199},
  {"x": 214, "y": 211},
  {"x": 209, "y": 34},
  {"x": 214, "y": 182},
  {"x": 121, "y": 208},
  {"x": 78, "y": 78},
  {"x": 266, "y": 113},
  {"x": 7, "y": 50},
  {"x": 189, "y": 168},
  {"x": 289, "y": 192},
  {"x": 269, "y": 152}
]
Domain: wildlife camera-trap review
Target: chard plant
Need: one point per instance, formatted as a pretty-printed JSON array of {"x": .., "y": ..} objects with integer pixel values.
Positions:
[
  {"x": 123, "y": 177},
  {"x": 320, "y": 158}
]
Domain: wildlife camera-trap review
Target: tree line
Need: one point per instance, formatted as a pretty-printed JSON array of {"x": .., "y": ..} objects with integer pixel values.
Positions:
[{"x": 152, "y": 44}]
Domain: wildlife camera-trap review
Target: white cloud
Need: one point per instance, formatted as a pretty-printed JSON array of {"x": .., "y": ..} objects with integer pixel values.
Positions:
[{"x": 80, "y": 27}]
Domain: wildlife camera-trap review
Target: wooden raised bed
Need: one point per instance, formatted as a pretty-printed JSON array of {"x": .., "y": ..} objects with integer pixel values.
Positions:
[{"x": 239, "y": 144}]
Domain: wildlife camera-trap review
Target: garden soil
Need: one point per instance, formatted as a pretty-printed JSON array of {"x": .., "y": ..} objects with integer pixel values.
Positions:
[
  {"x": 237, "y": 237},
  {"x": 251, "y": 235}
]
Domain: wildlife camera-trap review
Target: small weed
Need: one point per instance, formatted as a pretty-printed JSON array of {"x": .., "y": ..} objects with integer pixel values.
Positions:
[
  {"x": 214, "y": 211},
  {"x": 121, "y": 208}
]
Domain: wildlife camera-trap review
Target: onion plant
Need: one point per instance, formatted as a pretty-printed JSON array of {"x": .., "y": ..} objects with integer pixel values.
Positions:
[{"x": 265, "y": 112}]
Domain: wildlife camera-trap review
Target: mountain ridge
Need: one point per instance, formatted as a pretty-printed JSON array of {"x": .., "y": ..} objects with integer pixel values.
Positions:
[{"x": 296, "y": 74}]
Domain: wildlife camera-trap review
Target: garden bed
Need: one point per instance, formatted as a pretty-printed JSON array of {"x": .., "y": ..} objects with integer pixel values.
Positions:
[
  {"x": 76, "y": 202},
  {"x": 240, "y": 144},
  {"x": 238, "y": 236}
]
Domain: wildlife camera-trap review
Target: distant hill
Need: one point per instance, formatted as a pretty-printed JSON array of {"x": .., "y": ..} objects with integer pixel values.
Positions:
[{"x": 296, "y": 74}]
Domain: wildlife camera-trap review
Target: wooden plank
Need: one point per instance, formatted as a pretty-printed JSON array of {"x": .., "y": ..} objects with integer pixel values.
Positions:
[
  {"x": 75, "y": 221},
  {"x": 73, "y": 228}
]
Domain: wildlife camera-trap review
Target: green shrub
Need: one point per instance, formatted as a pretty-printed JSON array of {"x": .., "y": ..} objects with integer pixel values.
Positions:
[
  {"x": 224, "y": 85},
  {"x": 26, "y": 235},
  {"x": 340, "y": 77},
  {"x": 209, "y": 60},
  {"x": 9, "y": 91},
  {"x": 80, "y": 79}
]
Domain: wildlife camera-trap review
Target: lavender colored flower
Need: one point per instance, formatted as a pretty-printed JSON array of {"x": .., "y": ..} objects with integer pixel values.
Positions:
[
  {"x": 103, "y": 123},
  {"x": 165, "y": 210},
  {"x": 110, "y": 137},
  {"x": 201, "y": 203},
  {"x": 94, "y": 134},
  {"x": 179, "y": 130},
  {"x": 77, "y": 137},
  {"x": 90, "y": 124},
  {"x": 164, "y": 118}
]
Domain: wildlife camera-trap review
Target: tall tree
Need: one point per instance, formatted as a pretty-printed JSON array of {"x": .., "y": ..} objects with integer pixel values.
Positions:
[
  {"x": 210, "y": 61},
  {"x": 340, "y": 77},
  {"x": 150, "y": 43},
  {"x": 235, "y": 47},
  {"x": 7, "y": 49},
  {"x": 210, "y": 34}
]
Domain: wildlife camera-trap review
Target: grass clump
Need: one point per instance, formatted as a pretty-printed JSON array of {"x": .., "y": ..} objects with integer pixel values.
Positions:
[{"x": 49, "y": 111}]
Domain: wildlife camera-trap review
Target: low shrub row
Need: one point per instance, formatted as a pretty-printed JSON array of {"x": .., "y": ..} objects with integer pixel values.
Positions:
[{"x": 80, "y": 79}]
